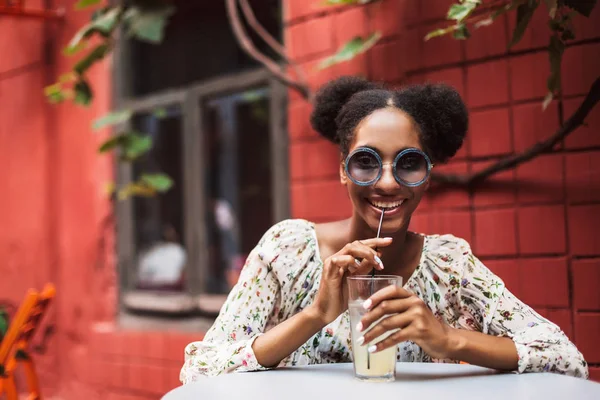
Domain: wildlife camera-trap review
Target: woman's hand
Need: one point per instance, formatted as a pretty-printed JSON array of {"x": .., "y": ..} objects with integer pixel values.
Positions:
[
  {"x": 408, "y": 313},
  {"x": 332, "y": 297}
]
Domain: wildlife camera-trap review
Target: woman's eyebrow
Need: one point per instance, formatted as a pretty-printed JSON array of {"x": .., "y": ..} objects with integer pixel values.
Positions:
[{"x": 375, "y": 149}]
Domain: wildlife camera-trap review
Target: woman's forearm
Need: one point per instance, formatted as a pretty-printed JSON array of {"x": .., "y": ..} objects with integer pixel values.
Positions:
[
  {"x": 485, "y": 350},
  {"x": 285, "y": 338}
]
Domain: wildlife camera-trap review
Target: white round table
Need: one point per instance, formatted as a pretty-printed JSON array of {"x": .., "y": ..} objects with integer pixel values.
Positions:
[{"x": 413, "y": 381}]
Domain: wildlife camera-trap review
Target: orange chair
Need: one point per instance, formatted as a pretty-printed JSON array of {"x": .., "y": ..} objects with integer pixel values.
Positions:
[{"x": 15, "y": 344}]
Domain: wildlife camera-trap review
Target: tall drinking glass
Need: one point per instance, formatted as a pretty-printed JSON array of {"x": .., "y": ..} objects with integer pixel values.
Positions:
[{"x": 380, "y": 366}]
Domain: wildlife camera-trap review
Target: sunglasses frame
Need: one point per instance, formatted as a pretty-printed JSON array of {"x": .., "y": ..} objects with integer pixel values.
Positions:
[{"x": 394, "y": 164}]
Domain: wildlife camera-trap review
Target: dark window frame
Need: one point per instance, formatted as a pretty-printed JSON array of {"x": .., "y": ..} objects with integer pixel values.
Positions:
[{"x": 191, "y": 100}]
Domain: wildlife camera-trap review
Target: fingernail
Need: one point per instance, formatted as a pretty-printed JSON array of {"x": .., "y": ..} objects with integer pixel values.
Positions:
[
  {"x": 379, "y": 261},
  {"x": 360, "y": 340},
  {"x": 388, "y": 238},
  {"x": 359, "y": 327},
  {"x": 367, "y": 304},
  {"x": 372, "y": 349}
]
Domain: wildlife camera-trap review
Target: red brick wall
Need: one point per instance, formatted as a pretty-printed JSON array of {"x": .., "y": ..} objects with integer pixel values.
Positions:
[
  {"x": 534, "y": 226},
  {"x": 25, "y": 211},
  {"x": 54, "y": 210},
  {"x": 53, "y": 214}
]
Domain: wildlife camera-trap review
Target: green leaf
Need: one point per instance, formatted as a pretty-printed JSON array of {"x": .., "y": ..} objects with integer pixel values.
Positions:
[
  {"x": 492, "y": 17},
  {"x": 83, "y": 93},
  {"x": 132, "y": 145},
  {"x": 524, "y": 13},
  {"x": 106, "y": 22},
  {"x": 148, "y": 24},
  {"x": 113, "y": 118},
  {"x": 52, "y": 89},
  {"x": 110, "y": 144},
  {"x": 135, "y": 189},
  {"x": 97, "y": 54},
  {"x": 350, "y": 50},
  {"x": 81, "y": 4},
  {"x": 68, "y": 77},
  {"x": 103, "y": 24},
  {"x": 440, "y": 32},
  {"x": 556, "y": 49},
  {"x": 56, "y": 93},
  {"x": 76, "y": 48},
  {"x": 459, "y": 12},
  {"x": 552, "y": 6},
  {"x": 159, "y": 182},
  {"x": 461, "y": 32},
  {"x": 583, "y": 7}
]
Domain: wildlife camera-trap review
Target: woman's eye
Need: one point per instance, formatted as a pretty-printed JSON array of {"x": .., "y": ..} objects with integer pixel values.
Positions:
[
  {"x": 409, "y": 163},
  {"x": 366, "y": 162}
]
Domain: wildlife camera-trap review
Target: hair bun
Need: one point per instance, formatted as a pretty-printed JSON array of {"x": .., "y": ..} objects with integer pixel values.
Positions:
[
  {"x": 330, "y": 99},
  {"x": 442, "y": 115}
]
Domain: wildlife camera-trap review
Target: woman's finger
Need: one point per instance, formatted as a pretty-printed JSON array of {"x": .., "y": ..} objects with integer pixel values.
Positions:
[
  {"x": 398, "y": 337},
  {"x": 387, "y": 293},
  {"x": 377, "y": 242},
  {"x": 386, "y": 307},
  {"x": 363, "y": 253}
]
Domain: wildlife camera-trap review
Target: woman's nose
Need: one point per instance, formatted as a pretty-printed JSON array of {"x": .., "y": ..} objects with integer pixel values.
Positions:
[{"x": 387, "y": 180}]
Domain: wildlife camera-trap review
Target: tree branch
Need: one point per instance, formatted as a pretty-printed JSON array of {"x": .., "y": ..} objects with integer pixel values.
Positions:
[
  {"x": 247, "y": 45},
  {"x": 546, "y": 146},
  {"x": 270, "y": 40}
]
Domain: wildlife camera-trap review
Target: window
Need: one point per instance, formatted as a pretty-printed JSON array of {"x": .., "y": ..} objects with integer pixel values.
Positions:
[{"x": 222, "y": 139}]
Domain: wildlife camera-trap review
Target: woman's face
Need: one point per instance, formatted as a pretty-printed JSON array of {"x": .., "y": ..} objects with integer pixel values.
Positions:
[{"x": 388, "y": 131}]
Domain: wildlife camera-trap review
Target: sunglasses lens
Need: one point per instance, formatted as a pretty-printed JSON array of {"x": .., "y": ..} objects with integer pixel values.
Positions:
[
  {"x": 411, "y": 167},
  {"x": 363, "y": 167}
]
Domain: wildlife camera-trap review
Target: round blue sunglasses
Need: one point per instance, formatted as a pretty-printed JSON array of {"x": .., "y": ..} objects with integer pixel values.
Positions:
[{"x": 411, "y": 167}]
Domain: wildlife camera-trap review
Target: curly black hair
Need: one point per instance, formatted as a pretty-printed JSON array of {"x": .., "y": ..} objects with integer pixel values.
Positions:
[{"x": 437, "y": 109}]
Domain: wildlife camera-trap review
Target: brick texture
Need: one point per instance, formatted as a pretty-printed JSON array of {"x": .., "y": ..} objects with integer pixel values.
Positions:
[
  {"x": 542, "y": 229},
  {"x": 487, "y": 83},
  {"x": 536, "y": 226}
]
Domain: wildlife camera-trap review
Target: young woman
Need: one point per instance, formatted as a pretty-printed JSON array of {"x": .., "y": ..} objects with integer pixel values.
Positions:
[{"x": 289, "y": 306}]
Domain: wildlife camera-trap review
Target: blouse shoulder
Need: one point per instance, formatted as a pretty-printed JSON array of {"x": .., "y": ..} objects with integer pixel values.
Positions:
[
  {"x": 451, "y": 257},
  {"x": 446, "y": 249},
  {"x": 287, "y": 246}
]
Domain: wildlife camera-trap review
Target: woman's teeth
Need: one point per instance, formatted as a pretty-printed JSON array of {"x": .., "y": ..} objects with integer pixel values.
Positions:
[{"x": 386, "y": 205}]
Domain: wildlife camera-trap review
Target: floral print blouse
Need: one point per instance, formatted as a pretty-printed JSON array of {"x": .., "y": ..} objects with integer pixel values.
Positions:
[{"x": 281, "y": 277}]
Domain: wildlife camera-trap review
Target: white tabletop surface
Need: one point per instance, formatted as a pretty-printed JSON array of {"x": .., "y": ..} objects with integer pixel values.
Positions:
[{"x": 413, "y": 381}]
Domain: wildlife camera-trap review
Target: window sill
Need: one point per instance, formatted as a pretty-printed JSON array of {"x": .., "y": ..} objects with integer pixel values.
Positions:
[{"x": 173, "y": 303}]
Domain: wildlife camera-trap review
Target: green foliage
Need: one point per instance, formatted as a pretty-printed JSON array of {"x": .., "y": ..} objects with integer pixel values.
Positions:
[
  {"x": 462, "y": 11},
  {"x": 159, "y": 182},
  {"x": 113, "y": 118},
  {"x": 142, "y": 20},
  {"x": 81, "y": 4},
  {"x": 146, "y": 21},
  {"x": 350, "y": 50},
  {"x": 131, "y": 144},
  {"x": 560, "y": 14},
  {"x": 148, "y": 24},
  {"x": 524, "y": 13},
  {"x": 147, "y": 186}
]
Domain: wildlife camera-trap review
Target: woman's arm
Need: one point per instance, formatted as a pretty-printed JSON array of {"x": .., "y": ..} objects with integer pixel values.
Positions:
[
  {"x": 329, "y": 303},
  {"x": 540, "y": 344},
  {"x": 285, "y": 338},
  {"x": 417, "y": 323},
  {"x": 480, "y": 349}
]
